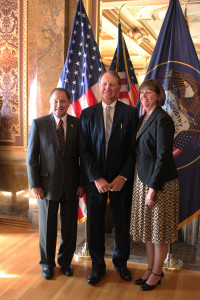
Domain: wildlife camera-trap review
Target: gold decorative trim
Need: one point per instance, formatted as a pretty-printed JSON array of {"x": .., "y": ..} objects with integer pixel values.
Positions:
[
  {"x": 25, "y": 68},
  {"x": 97, "y": 21},
  {"x": 23, "y": 71},
  {"x": 88, "y": 8}
]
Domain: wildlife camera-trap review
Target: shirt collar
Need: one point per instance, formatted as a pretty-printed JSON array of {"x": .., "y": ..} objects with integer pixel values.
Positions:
[
  {"x": 111, "y": 105},
  {"x": 58, "y": 119}
]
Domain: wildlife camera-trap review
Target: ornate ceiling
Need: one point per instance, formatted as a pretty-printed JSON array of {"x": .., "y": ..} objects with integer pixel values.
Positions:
[{"x": 141, "y": 22}]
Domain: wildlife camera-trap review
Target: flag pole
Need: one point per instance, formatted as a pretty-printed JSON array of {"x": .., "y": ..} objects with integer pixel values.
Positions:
[
  {"x": 83, "y": 251},
  {"x": 172, "y": 264},
  {"x": 125, "y": 61}
]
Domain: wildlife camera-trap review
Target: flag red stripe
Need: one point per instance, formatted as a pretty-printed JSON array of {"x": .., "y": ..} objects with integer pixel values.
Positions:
[
  {"x": 90, "y": 97},
  {"x": 80, "y": 213},
  {"x": 77, "y": 108},
  {"x": 122, "y": 95},
  {"x": 176, "y": 151},
  {"x": 135, "y": 93},
  {"x": 123, "y": 81}
]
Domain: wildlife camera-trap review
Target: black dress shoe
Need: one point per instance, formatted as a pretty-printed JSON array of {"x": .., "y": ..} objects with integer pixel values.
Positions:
[
  {"x": 140, "y": 281},
  {"x": 95, "y": 277},
  {"x": 124, "y": 272},
  {"x": 149, "y": 287},
  {"x": 47, "y": 272},
  {"x": 68, "y": 270}
]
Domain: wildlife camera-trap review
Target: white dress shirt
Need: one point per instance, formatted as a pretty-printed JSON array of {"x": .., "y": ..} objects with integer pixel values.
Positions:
[
  {"x": 112, "y": 111},
  {"x": 57, "y": 120}
]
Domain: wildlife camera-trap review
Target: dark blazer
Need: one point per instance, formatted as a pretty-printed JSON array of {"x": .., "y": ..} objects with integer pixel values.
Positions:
[
  {"x": 120, "y": 155},
  {"x": 154, "y": 150},
  {"x": 48, "y": 167}
]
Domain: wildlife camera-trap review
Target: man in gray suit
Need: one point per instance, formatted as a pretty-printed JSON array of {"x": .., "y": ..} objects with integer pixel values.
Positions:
[{"x": 55, "y": 179}]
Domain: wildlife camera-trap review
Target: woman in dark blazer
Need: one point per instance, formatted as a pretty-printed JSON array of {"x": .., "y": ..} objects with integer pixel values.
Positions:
[{"x": 154, "y": 215}]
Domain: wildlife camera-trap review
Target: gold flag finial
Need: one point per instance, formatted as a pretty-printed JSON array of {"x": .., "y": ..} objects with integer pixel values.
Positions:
[{"x": 120, "y": 11}]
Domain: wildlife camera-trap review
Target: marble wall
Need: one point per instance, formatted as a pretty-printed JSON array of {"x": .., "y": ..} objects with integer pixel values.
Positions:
[
  {"x": 46, "y": 33},
  {"x": 49, "y": 30}
]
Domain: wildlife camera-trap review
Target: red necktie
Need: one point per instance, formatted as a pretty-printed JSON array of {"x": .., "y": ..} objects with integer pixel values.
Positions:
[{"x": 61, "y": 134}]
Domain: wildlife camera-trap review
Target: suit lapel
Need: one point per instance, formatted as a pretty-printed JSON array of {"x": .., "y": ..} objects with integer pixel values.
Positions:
[
  {"x": 117, "y": 116},
  {"x": 70, "y": 126},
  {"x": 99, "y": 120},
  {"x": 52, "y": 130},
  {"x": 149, "y": 121},
  {"x": 117, "y": 119}
]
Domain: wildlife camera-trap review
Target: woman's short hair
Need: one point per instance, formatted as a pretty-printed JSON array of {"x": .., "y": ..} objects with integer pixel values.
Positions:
[
  {"x": 156, "y": 86},
  {"x": 113, "y": 73}
]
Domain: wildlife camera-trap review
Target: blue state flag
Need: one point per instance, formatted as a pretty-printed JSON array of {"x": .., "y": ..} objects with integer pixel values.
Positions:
[{"x": 175, "y": 63}]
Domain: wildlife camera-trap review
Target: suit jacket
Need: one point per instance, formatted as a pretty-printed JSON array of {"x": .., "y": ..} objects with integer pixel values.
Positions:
[
  {"x": 48, "y": 167},
  {"x": 120, "y": 153},
  {"x": 154, "y": 150}
]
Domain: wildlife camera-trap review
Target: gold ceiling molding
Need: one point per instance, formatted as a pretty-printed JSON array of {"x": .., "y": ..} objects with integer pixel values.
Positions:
[
  {"x": 134, "y": 11},
  {"x": 148, "y": 29},
  {"x": 110, "y": 4},
  {"x": 135, "y": 33},
  {"x": 154, "y": 14},
  {"x": 146, "y": 46},
  {"x": 141, "y": 21},
  {"x": 113, "y": 17}
]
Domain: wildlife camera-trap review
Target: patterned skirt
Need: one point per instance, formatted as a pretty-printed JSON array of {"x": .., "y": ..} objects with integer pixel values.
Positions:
[{"x": 157, "y": 224}]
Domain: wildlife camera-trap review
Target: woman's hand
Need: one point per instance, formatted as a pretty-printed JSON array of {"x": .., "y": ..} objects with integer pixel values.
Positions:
[{"x": 150, "y": 197}]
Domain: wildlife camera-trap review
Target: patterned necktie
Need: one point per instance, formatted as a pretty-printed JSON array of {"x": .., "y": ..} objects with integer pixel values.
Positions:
[
  {"x": 61, "y": 134},
  {"x": 108, "y": 125}
]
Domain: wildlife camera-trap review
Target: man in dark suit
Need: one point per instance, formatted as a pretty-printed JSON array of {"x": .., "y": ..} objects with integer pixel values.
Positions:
[
  {"x": 107, "y": 137},
  {"x": 55, "y": 179}
]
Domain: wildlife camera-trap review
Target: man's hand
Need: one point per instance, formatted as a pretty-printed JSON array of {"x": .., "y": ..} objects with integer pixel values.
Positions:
[
  {"x": 80, "y": 192},
  {"x": 150, "y": 196},
  {"x": 102, "y": 185},
  {"x": 117, "y": 184},
  {"x": 38, "y": 193}
]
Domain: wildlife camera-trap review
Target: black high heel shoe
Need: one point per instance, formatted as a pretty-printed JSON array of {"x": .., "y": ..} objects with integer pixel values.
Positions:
[
  {"x": 141, "y": 281},
  {"x": 148, "y": 287}
]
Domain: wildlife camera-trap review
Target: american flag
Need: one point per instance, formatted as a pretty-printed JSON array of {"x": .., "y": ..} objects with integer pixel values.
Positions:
[
  {"x": 81, "y": 72},
  {"x": 83, "y": 64},
  {"x": 122, "y": 64}
]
